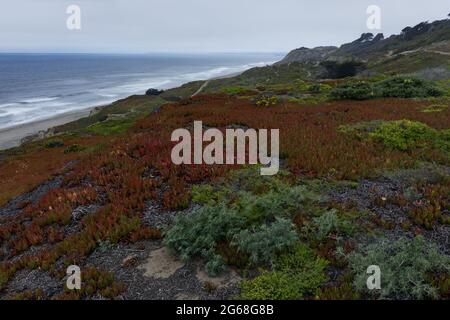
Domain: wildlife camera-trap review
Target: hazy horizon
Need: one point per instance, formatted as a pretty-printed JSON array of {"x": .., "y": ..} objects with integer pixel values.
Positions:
[{"x": 199, "y": 26}]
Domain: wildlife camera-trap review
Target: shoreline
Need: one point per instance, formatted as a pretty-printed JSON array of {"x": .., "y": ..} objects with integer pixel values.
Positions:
[{"x": 14, "y": 136}]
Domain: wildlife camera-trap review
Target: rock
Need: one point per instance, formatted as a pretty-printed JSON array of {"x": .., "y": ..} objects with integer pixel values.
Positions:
[
  {"x": 94, "y": 111},
  {"x": 81, "y": 211},
  {"x": 187, "y": 296},
  {"x": 130, "y": 261},
  {"x": 378, "y": 37},
  {"x": 161, "y": 264},
  {"x": 43, "y": 134},
  {"x": 303, "y": 54},
  {"x": 153, "y": 92},
  {"x": 213, "y": 283}
]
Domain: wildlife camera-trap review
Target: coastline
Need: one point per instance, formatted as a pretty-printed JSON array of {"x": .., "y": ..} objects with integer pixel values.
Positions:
[{"x": 14, "y": 136}]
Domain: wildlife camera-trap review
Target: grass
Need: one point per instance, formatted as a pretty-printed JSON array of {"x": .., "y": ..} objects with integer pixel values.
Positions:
[
  {"x": 111, "y": 127},
  {"x": 435, "y": 108}
]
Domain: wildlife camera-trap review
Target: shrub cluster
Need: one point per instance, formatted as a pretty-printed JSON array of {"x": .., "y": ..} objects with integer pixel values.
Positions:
[
  {"x": 267, "y": 101},
  {"x": 254, "y": 221},
  {"x": 396, "y": 87},
  {"x": 198, "y": 234},
  {"x": 406, "y": 87},
  {"x": 402, "y": 135},
  {"x": 404, "y": 266},
  {"x": 295, "y": 274},
  {"x": 329, "y": 223},
  {"x": 263, "y": 243},
  {"x": 360, "y": 90}
]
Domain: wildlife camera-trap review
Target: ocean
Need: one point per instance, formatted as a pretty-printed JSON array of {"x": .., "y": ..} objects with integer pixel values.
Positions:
[{"x": 40, "y": 86}]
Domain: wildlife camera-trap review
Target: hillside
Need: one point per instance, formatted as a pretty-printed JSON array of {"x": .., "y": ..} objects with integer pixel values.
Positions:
[
  {"x": 364, "y": 180},
  {"x": 403, "y": 53}
]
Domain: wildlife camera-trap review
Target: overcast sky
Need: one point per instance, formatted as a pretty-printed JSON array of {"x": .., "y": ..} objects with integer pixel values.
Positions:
[{"x": 140, "y": 26}]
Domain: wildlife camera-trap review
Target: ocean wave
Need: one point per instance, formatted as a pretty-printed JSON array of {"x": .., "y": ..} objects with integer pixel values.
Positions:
[
  {"x": 40, "y": 99},
  {"x": 38, "y": 108},
  {"x": 7, "y": 105},
  {"x": 222, "y": 71}
]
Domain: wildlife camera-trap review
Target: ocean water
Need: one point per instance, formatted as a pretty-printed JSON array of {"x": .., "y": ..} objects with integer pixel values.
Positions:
[{"x": 40, "y": 86}]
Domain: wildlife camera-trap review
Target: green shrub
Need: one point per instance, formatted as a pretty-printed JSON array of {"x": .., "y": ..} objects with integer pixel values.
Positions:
[
  {"x": 314, "y": 88},
  {"x": 435, "y": 108},
  {"x": 271, "y": 286},
  {"x": 396, "y": 87},
  {"x": 250, "y": 180},
  {"x": 319, "y": 87},
  {"x": 404, "y": 134},
  {"x": 236, "y": 90},
  {"x": 400, "y": 135},
  {"x": 302, "y": 260},
  {"x": 283, "y": 202},
  {"x": 404, "y": 265},
  {"x": 360, "y": 90},
  {"x": 267, "y": 101},
  {"x": 206, "y": 194},
  {"x": 239, "y": 183},
  {"x": 263, "y": 243},
  {"x": 54, "y": 144},
  {"x": 329, "y": 223},
  {"x": 443, "y": 141},
  {"x": 215, "y": 265},
  {"x": 112, "y": 126},
  {"x": 74, "y": 148},
  {"x": 254, "y": 196},
  {"x": 245, "y": 200},
  {"x": 406, "y": 87},
  {"x": 198, "y": 233},
  {"x": 296, "y": 274},
  {"x": 360, "y": 130},
  {"x": 301, "y": 85}
]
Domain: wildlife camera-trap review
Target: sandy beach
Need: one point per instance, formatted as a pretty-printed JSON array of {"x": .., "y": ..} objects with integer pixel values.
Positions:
[{"x": 12, "y": 137}]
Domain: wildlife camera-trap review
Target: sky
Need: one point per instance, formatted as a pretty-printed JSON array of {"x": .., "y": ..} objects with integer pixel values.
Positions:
[{"x": 195, "y": 26}]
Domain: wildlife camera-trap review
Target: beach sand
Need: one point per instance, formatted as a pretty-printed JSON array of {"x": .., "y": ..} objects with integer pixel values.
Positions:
[{"x": 12, "y": 137}]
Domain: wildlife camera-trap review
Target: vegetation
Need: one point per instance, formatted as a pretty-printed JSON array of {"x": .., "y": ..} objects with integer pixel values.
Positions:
[
  {"x": 405, "y": 87},
  {"x": 404, "y": 265},
  {"x": 291, "y": 236},
  {"x": 296, "y": 274},
  {"x": 267, "y": 101},
  {"x": 435, "y": 108},
  {"x": 110, "y": 127},
  {"x": 252, "y": 220},
  {"x": 262, "y": 244},
  {"x": 360, "y": 90},
  {"x": 397, "y": 87},
  {"x": 402, "y": 135},
  {"x": 328, "y": 223},
  {"x": 199, "y": 233}
]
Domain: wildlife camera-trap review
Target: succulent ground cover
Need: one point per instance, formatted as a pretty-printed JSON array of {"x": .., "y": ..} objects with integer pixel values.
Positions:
[{"x": 354, "y": 174}]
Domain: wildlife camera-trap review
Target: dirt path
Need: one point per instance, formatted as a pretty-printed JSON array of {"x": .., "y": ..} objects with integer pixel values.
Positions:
[
  {"x": 201, "y": 88},
  {"x": 390, "y": 55},
  {"x": 438, "y": 52}
]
